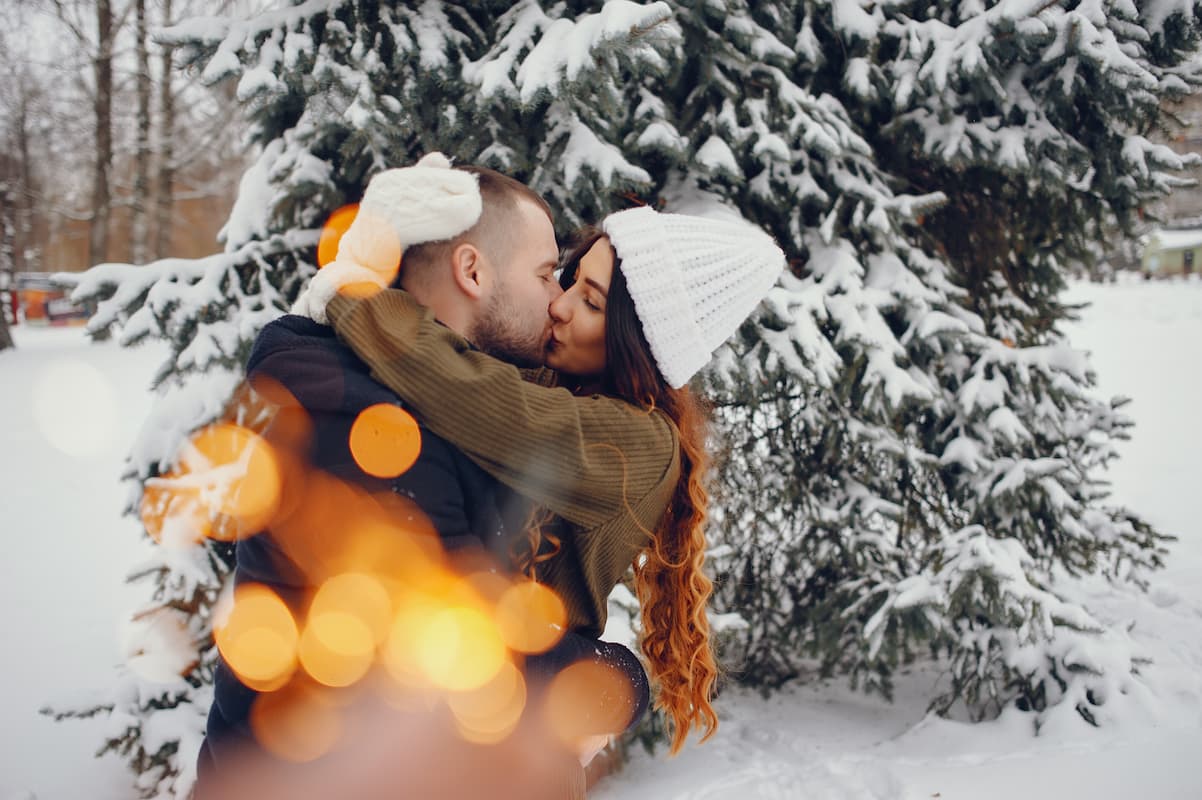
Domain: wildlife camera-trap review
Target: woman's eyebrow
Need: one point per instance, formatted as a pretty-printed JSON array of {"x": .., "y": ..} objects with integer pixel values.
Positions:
[{"x": 598, "y": 287}]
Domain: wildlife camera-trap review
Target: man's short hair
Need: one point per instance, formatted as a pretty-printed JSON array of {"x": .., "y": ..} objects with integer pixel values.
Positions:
[{"x": 494, "y": 233}]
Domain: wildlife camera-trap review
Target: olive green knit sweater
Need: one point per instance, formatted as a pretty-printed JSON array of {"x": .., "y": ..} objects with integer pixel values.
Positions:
[{"x": 602, "y": 464}]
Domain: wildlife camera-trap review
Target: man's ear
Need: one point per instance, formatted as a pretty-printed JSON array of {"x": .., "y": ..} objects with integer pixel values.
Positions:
[{"x": 467, "y": 268}]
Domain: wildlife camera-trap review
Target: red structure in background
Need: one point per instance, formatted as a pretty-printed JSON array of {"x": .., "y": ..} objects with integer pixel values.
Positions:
[{"x": 42, "y": 301}]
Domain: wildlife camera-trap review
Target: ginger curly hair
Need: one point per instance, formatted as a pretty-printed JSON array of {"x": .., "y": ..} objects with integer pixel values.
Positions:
[{"x": 670, "y": 582}]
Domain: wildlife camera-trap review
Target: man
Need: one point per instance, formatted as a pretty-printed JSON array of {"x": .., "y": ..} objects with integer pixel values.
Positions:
[{"x": 478, "y": 249}]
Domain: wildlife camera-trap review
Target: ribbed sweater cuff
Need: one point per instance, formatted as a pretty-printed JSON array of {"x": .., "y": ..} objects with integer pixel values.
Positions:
[{"x": 574, "y": 784}]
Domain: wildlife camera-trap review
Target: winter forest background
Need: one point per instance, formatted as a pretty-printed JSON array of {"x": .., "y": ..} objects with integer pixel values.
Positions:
[{"x": 914, "y": 454}]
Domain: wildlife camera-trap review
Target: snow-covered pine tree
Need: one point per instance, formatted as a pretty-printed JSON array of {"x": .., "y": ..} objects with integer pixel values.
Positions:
[
  {"x": 921, "y": 472},
  {"x": 336, "y": 90},
  {"x": 913, "y": 451}
]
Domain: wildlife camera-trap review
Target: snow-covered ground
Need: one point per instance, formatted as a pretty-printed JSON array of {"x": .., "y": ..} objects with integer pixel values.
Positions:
[
  {"x": 70, "y": 409},
  {"x": 66, "y": 549},
  {"x": 828, "y": 742}
]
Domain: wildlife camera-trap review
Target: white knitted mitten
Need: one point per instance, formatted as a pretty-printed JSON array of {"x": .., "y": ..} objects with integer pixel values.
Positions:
[
  {"x": 326, "y": 283},
  {"x": 427, "y": 202}
]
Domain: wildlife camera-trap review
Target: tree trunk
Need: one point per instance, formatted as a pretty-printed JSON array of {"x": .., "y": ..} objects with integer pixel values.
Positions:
[
  {"x": 17, "y": 211},
  {"x": 138, "y": 232},
  {"x": 166, "y": 178},
  {"x": 98, "y": 235},
  {"x": 26, "y": 255},
  {"x": 8, "y": 244},
  {"x": 6, "y": 339}
]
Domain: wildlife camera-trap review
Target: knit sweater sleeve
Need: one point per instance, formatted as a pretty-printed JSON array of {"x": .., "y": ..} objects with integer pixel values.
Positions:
[{"x": 586, "y": 459}]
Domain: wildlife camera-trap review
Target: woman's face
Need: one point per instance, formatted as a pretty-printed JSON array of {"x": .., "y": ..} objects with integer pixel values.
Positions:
[{"x": 577, "y": 345}]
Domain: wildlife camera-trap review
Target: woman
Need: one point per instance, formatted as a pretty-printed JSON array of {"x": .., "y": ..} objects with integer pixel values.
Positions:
[{"x": 617, "y": 452}]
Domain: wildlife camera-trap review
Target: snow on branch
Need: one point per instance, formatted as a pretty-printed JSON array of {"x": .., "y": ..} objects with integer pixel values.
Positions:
[
  {"x": 165, "y": 298},
  {"x": 230, "y": 36},
  {"x": 585, "y": 151},
  {"x": 567, "y": 51}
]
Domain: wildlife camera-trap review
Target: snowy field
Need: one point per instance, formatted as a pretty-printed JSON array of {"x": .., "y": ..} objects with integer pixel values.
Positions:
[{"x": 70, "y": 409}]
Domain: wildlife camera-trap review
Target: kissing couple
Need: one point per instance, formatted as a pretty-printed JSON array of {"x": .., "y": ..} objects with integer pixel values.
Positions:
[{"x": 558, "y": 431}]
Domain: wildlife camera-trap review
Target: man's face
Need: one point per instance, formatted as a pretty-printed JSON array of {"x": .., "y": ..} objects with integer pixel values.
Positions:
[{"x": 514, "y": 323}]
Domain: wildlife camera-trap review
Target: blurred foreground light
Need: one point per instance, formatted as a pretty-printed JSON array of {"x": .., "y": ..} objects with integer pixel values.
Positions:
[
  {"x": 350, "y": 614},
  {"x": 258, "y": 638},
  {"x": 362, "y": 238},
  {"x": 240, "y": 478},
  {"x": 587, "y": 699},
  {"x": 388, "y": 547},
  {"x": 385, "y": 440},
  {"x": 336, "y": 648},
  {"x": 460, "y": 648},
  {"x": 359, "y": 595},
  {"x": 227, "y": 485},
  {"x": 531, "y": 617},
  {"x": 489, "y": 713},
  {"x": 299, "y": 723},
  {"x": 400, "y": 652},
  {"x": 74, "y": 407},
  {"x": 332, "y": 231},
  {"x": 173, "y": 516}
]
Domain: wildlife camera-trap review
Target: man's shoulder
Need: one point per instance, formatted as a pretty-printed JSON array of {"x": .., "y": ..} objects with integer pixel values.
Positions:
[
  {"x": 321, "y": 372},
  {"x": 290, "y": 338},
  {"x": 325, "y": 375}
]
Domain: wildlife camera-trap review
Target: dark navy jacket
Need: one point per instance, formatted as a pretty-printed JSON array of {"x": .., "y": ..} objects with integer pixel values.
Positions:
[
  {"x": 465, "y": 504},
  {"x": 467, "y": 507}
]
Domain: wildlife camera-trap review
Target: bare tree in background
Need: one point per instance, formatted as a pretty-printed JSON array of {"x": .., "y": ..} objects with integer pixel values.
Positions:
[
  {"x": 98, "y": 237},
  {"x": 8, "y": 244},
  {"x": 165, "y": 192},
  {"x": 97, "y": 50},
  {"x": 154, "y": 143},
  {"x": 141, "y": 191},
  {"x": 20, "y": 97}
]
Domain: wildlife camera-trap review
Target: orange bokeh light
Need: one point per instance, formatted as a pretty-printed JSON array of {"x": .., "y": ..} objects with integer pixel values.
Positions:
[
  {"x": 259, "y": 638},
  {"x": 385, "y": 440},
  {"x": 173, "y": 516},
  {"x": 400, "y": 653},
  {"x": 269, "y": 404},
  {"x": 350, "y": 614},
  {"x": 489, "y": 713},
  {"x": 337, "y": 528},
  {"x": 417, "y": 605},
  {"x": 247, "y": 489},
  {"x": 587, "y": 699},
  {"x": 363, "y": 238},
  {"x": 227, "y": 485},
  {"x": 459, "y": 648},
  {"x": 531, "y": 617},
  {"x": 331, "y": 233},
  {"x": 336, "y": 648},
  {"x": 359, "y": 595},
  {"x": 299, "y": 723}
]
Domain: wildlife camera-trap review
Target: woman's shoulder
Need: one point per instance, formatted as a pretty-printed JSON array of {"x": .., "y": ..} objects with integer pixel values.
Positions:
[{"x": 640, "y": 419}]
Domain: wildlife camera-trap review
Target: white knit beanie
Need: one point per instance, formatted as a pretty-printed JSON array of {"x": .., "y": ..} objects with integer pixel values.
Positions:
[
  {"x": 427, "y": 202},
  {"x": 693, "y": 281}
]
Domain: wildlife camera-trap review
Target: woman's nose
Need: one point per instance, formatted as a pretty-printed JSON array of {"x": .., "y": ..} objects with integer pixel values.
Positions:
[{"x": 559, "y": 308}]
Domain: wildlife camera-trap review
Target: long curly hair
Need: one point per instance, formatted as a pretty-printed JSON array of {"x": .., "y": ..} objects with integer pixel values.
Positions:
[{"x": 672, "y": 587}]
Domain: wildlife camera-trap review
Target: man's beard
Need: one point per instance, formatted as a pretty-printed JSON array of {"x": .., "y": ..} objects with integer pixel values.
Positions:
[{"x": 497, "y": 333}]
